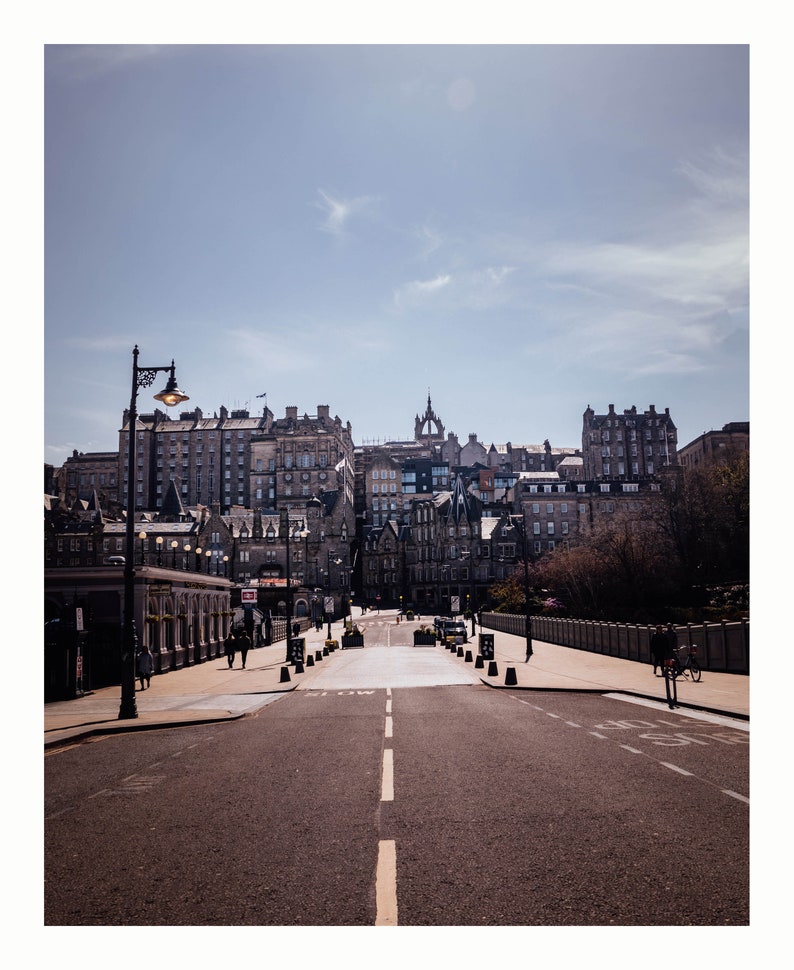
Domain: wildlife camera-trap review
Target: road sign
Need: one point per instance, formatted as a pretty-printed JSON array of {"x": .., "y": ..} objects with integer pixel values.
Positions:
[
  {"x": 328, "y": 604},
  {"x": 455, "y": 604},
  {"x": 248, "y": 596}
]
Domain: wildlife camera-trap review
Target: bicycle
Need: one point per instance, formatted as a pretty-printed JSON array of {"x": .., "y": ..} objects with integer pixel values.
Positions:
[{"x": 686, "y": 668}]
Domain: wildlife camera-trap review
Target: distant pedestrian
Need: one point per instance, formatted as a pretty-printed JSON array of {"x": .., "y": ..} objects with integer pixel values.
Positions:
[
  {"x": 672, "y": 640},
  {"x": 659, "y": 649},
  {"x": 145, "y": 666},
  {"x": 268, "y": 631},
  {"x": 230, "y": 648},
  {"x": 473, "y": 624},
  {"x": 244, "y": 643},
  {"x": 296, "y": 629}
]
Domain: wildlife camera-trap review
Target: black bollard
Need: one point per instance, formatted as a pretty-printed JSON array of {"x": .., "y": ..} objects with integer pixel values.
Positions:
[
  {"x": 318, "y": 655},
  {"x": 468, "y": 657},
  {"x": 284, "y": 674},
  {"x": 479, "y": 663},
  {"x": 510, "y": 677},
  {"x": 298, "y": 667},
  {"x": 493, "y": 670},
  {"x": 310, "y": 661}
]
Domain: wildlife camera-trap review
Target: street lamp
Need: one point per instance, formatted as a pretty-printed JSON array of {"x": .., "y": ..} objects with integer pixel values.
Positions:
[
  {"x": 174, "y": 545},
  {"x": 299, "y": 532},
  {"x": 527, "y": 618},
  {"x": 186, "y": 549},
  {"x": 198, "y": 558},
  {"x": 337, "y": 561},
  {"x": 142, "y": 537},
  {"x": 159, "y": 543},
  {"x": 170, "y": 396}
]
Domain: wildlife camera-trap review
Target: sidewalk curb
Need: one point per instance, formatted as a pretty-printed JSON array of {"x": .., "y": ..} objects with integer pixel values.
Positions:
[{"x": 619, "y": 690}]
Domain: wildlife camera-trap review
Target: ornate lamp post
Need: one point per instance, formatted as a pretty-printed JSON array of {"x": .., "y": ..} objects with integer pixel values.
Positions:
[
  {"x": 174, "y": 545},
  {"x": 170, "y": 396},
  {"x": 296, "y": 533},
  {"x": 337, "y": 561},
  {"x": 142, "y": 537},
  {"x": 159, "y": 543},
  {"x": 186, "y": 557},
  {"x": 522, "y": 528}
]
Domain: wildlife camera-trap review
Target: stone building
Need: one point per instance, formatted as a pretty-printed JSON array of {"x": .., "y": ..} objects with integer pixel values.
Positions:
[
  {"x": 234, "y": 459},
  {"x": 628, "y": 446},
  {"x": 711, "y": 446}
]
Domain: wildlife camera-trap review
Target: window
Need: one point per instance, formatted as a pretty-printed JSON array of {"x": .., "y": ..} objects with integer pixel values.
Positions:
[{"x": 550, "y": 528}]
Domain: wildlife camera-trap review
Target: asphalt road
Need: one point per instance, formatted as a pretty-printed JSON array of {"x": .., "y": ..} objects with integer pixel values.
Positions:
[{"x": 387, "y": 791}]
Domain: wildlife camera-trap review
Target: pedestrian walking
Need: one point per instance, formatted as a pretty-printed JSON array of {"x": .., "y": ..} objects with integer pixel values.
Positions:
[
  {"x": 244, "y": 643},
  {"x": 672, "y": 640},
  {"x": 230, "y": 648},
  {"x": 659, "y": 649},
  {"x": 296, "y": 629},
  {"x": 145, "y": 666}
]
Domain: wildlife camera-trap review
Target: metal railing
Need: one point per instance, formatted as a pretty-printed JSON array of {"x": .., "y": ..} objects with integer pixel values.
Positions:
[{"x": 723, "y": 646}]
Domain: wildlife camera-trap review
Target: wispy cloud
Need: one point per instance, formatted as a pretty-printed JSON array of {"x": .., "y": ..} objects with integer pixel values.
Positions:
[
  {"x": 338, "y": 211},
  {"x": 416, "y": 291},
  {"x": 83, "y": 61}
]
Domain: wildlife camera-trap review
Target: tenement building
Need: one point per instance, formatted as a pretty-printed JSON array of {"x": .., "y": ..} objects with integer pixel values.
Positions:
[
  {"x": 235, "y": 459},
  {"x": 630, "y": 445}
]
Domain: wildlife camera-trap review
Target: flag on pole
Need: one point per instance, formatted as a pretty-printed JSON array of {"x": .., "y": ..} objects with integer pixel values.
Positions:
[
  {"x": 340, "y": 466},
  {"x": 262, "y": 395}
]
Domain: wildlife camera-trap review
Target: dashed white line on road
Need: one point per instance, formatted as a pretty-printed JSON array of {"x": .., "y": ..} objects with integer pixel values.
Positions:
[
  {"x": 733, "y": 794},
  {"x": 386, "y": 884},
  {"x": 602, "y": 737},
  {"x": 387, "y": 780},
  {"x": 389, "y": 727},
  {"x": 676, "y": 768},
  {"x": 627, "y": 747}
]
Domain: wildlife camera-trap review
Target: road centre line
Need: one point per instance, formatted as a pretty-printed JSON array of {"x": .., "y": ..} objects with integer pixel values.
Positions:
[
  {"x": 733, "y": 794},
  {"x": 386, "y": 884},
  {"x": 387, "y": 779},
  {"x": 389, "y": 727},
  {"x": 627, "y": 747},
  {"x": 676, "y": 768}
]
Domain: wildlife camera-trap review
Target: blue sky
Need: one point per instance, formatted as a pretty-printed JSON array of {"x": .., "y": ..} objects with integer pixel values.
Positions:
[{"x": 521, "y": 230}]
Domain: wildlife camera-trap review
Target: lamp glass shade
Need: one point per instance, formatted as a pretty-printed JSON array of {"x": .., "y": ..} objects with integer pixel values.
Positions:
[{"x": 171, "y": 395}]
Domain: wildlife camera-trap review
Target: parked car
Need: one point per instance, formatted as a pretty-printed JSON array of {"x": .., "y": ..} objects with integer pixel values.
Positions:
[
  {"x": 438, "y": 624},
  {"x": 455, "y": 629}
]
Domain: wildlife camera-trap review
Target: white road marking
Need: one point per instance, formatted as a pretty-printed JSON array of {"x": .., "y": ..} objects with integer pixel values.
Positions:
[
  {"x": 676, "y": 768},
  {"x": 389, "y": 727},
  {"x": 733, "y": 794},
  {"x": 627, "y": 747},
  {"x": 386, "y": 884},
  {"x": 387, "y": 780}
]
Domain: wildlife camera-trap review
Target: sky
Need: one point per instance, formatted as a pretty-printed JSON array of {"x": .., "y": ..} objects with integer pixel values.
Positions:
[{"x": 518, "y": 230}]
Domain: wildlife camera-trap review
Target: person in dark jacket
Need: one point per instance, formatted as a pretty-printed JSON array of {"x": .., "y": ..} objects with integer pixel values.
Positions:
[
  {"x": 145, "y": 666},
  {"x": 659, "y": 649},
  {"x": 230, "y": 648},
  {"x": 244, "y": 643}
]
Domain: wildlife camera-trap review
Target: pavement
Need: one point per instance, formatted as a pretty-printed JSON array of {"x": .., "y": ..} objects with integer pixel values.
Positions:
[{"x": 211, "y": 691}]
